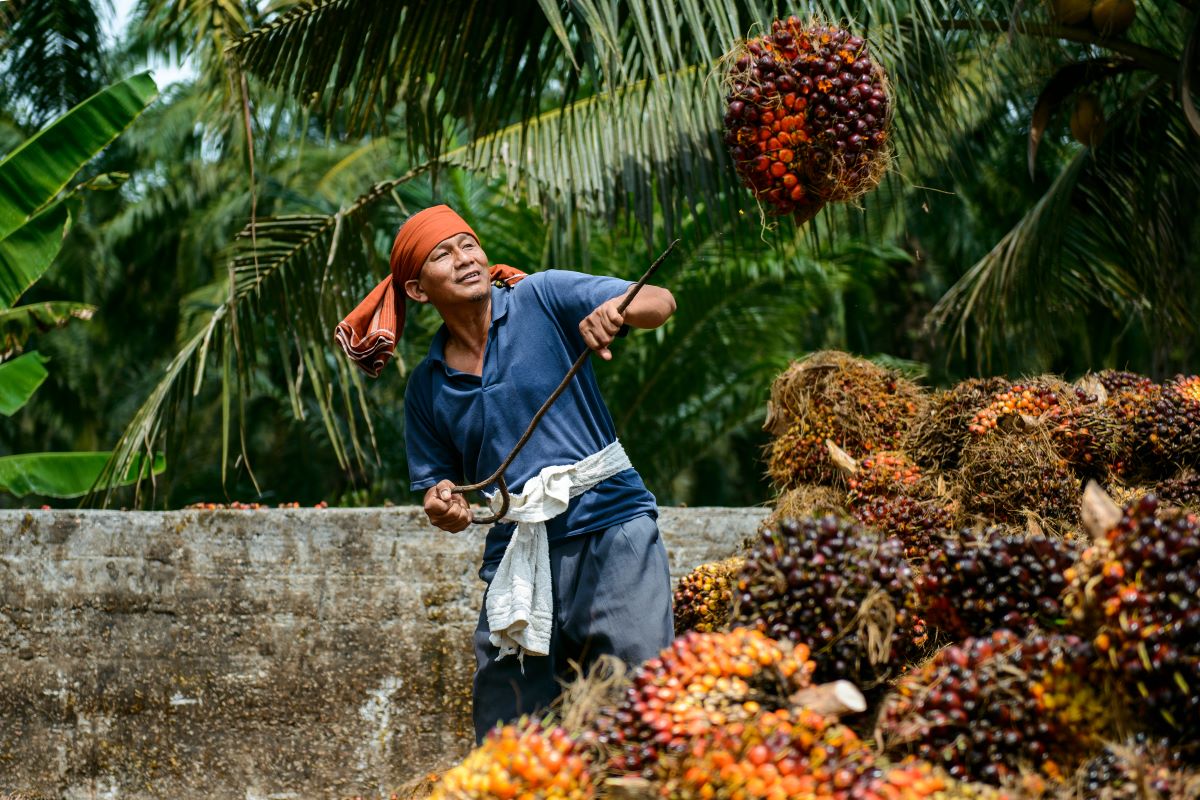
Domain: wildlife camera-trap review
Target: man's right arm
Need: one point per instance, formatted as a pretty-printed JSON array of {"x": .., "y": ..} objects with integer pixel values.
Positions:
[
  {"x": 430, "y": 458},
  {"x": 445, "y": 509}
]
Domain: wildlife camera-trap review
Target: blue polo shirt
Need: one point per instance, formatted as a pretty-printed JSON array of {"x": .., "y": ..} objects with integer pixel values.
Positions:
[{"x": 460, "y": 426}]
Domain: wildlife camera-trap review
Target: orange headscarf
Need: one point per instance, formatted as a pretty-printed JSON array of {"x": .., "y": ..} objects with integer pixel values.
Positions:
[{"x": 368, "y": 334}]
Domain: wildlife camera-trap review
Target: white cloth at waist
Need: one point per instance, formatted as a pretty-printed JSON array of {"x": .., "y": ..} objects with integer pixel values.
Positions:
[{"x": 520, "y": 603}]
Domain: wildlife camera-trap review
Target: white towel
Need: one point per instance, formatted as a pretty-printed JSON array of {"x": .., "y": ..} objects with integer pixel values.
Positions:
[{"x": 520, "y": 604}]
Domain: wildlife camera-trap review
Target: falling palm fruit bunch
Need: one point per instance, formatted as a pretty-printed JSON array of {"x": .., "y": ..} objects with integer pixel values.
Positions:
[
  {"x": 831, "y": 396},
  {"x": 843, "y": 590},
  {"x": 519, "y": 761},
  {"x": 1136, "y": 592},
  {"x": 807, "y": 116},
  {"x": 888, "y": 492},
  {"x": 980, "y": 581},
  {"x": 990, "y": 707},
  {"x": 702, "y": 681},
  {"x": 703, "y": 600}
]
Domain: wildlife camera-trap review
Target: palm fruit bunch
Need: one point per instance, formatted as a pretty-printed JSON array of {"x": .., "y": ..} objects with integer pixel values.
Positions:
[
  {"x": 883, "y": 474},
  {"x": 888, "y": 492},
  {"x": 913, "y": 780},
  {"x": 1163, "y": 426},
  {"x": 780, "y": 754},
  {"x": 521, "y": 760},
  {"x": 1115, "y": 380},
  {"x": 1008, "y": 475},
  {"x": 702, "y": 681},
  {"x": 799, "y": 753},
  {"x": 1181, "y": 490},
  {"x": 1138, "y": 769},
  {"x": 807, "y": 117},
  {"x": 1032, "y": 399},
  {"x": 980, "y": 581},
  {"x": 860, "y": 406},
  {"x": 1079, "y": 427},
  {"x": 843, "y": 590},
  {"x": 937, "y": 435},
  {"x": 704, "y": 597},
  {"x": 1137, "y": 593},
  {"x": 916, "y": 523},
  {"x": 992, "y": 706}
]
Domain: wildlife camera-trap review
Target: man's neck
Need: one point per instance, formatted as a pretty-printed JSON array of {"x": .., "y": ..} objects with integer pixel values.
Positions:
[{"x": 467, "y": 327}]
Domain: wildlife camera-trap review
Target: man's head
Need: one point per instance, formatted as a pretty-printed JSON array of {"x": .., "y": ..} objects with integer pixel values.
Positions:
[
  {"x": 435, "y": 255},
  {"x": 456, "y": 269}
]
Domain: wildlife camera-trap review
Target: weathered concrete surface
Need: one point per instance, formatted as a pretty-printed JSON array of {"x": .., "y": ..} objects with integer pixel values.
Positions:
[{"x": 247, "y": 654}]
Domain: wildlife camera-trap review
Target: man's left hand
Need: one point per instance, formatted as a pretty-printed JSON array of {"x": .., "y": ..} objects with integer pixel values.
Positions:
[{"x": 600, "y": 327}]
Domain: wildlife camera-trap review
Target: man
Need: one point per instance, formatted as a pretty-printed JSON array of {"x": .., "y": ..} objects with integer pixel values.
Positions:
[{"x": 502, "y": 349}]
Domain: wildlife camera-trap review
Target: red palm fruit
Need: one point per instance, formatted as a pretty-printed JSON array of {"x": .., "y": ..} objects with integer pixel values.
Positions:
[
  {"x": 781, "y": 754},
  {"x": 980, "y": 581},
  {"x": 702, "y": 681},
  {"x": 521, "y": 760},
  {"x": 704, "y": 597},
  {"x": 993, "y": 706},
  {"x": 1135, "y": 594},
  {"x": 915, "y": 780},
  {"x": 842, "y": 144},
  {"x": 841, "y": 589}
]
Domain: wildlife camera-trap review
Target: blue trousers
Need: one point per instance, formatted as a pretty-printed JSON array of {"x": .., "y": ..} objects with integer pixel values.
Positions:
[{"x": 612, "y": 594}]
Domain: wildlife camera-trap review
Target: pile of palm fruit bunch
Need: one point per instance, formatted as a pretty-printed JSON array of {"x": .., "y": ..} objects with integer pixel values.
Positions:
[{"x": 991, "y": 590}]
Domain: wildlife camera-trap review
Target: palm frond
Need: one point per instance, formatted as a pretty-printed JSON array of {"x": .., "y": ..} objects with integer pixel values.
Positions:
[
  {"x": 52, "y": 56},
  {"x": 467, "y": 59}
]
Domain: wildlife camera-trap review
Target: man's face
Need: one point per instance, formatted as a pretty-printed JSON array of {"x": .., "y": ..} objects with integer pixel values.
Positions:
[{"x": 456, "y": 270}]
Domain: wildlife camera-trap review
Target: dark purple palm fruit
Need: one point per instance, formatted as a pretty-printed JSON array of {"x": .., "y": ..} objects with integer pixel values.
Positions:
[
  {"x": 1136, "y": 593},
  {"x": 807, "y": 117},
  {"x": 980, "y": 581},
  {"x": 996, "y": 706},
  {"x": 842, "y": 589},
  {"x": 1181, "y": 490}
]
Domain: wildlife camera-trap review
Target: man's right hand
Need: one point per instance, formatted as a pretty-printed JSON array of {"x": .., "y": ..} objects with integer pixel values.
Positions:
[{"x": 445, "y": 509}]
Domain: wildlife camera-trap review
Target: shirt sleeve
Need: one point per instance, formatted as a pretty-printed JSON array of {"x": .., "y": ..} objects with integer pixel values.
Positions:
[
  {"x": 571, "y": 296},
  {"x": 429, "y": 458}
]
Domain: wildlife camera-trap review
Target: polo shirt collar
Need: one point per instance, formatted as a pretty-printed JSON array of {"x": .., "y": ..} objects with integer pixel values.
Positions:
[{"x": 437, "y": 348}]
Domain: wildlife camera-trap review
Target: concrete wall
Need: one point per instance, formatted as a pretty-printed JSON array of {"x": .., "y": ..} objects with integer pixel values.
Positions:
[{"x": 247, "y": 654}]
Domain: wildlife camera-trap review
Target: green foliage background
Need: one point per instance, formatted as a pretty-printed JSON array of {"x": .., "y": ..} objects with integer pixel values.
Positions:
[{"x": 582, "y": 135}]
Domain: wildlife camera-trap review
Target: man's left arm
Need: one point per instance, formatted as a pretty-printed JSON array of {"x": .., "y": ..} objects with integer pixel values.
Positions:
[{"x": 652, "y": 306}]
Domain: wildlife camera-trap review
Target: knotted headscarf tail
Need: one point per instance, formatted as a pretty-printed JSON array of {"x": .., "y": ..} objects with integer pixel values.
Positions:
[{"x": 369, "y": 333}]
